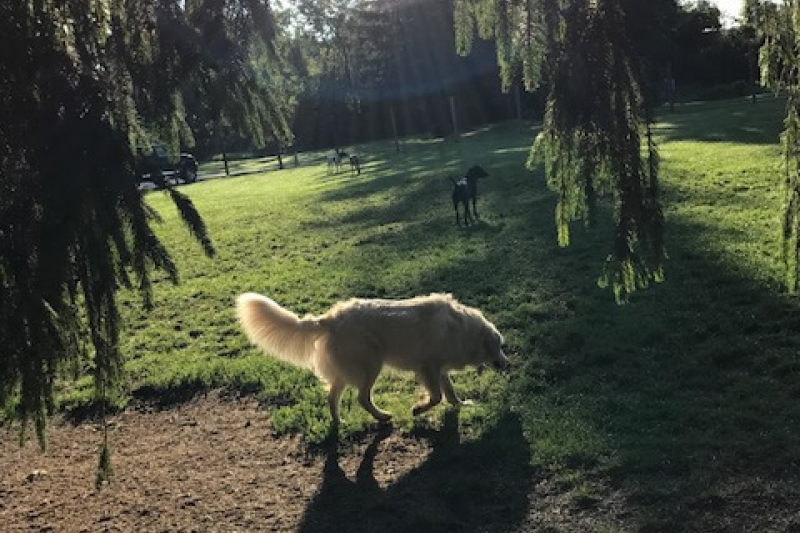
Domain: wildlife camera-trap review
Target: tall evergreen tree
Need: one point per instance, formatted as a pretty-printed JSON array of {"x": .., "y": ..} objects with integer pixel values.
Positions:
[
  {"x": 596, "y": 136},
  {"x": 83, "y": 85},
  {"x": 779, "y": 27}
]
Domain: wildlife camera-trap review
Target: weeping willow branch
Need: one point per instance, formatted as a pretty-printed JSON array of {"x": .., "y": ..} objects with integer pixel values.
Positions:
[
  {"x": 779, "y": 28},
  {"x": 596, "y": 136},
  {"x": 82, "y": 85}
]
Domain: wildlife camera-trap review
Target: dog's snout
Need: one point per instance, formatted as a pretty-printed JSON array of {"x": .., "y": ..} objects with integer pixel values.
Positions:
[{"x": 500, "y": 362}]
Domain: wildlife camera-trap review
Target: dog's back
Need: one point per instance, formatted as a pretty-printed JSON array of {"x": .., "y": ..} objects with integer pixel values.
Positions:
[{"x": 401, "y": 333}]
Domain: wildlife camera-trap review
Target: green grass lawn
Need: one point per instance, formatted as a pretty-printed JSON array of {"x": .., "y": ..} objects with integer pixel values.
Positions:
[{"x": 694, "y": 383}]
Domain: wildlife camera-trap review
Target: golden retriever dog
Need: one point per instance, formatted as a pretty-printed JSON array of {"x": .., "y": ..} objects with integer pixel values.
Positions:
[{"x": 350, "y": 344}]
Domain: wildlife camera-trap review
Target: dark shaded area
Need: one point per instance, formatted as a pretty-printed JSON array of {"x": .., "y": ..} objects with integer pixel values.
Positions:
[
  {"x": 725, "y": 121},
  {"x": 161, "y": 398},
  {"x": 685, "y": 399},
  {"x": 473, "y": 486}
]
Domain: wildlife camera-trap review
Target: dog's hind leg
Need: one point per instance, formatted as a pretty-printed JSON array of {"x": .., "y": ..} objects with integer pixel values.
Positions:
[
  {"x": 334, "y": 394},
  {"x": 430, "y": 380},
  {"x": 467, "y": 214},
  {"x": 365, "y": 398}
]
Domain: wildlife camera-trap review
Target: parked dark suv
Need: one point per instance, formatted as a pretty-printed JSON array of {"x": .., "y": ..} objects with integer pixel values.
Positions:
[{"x": 183, "y": 169}]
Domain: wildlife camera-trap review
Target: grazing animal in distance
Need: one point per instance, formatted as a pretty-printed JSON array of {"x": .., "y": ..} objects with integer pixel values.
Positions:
[
  {"x": 350, "y": 344},
  {"x": 335, "y": 161},
  {"x": 332, "y": 163},
  {"x": 466, "y": 190},
  {"x": 355, "y": 164},
  {"x": 340, "y": 156}
]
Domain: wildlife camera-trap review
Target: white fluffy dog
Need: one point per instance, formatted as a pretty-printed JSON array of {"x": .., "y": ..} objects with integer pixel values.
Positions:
[{"x": 348, "y": 345}]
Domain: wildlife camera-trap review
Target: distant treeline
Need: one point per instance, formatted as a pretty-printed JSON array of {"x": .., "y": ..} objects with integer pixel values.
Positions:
[{"x": 359, "y": 70}]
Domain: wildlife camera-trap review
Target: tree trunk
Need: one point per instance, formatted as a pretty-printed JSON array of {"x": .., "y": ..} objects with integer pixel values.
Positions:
[
  {"x": 225, "y": 162},
  {"x": 670, "y": 88},
  {"x": 454, "y": 117},
  {"x": 280, "y": 160},
  {"x": 394, "y": 128},
  {"x": 753, "y": 61}
]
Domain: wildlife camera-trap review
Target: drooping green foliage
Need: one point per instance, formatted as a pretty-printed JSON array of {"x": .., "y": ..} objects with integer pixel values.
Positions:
[
  {"x": 779, "y": 26},
  {"x": 231, "y": 93},
  {"x": 596, "y": 137},
  {"x": 84, "y": 85}
]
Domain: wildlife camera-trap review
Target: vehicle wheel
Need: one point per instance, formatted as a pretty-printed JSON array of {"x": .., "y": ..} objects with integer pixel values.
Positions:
[{"x": 189, "y": 175}]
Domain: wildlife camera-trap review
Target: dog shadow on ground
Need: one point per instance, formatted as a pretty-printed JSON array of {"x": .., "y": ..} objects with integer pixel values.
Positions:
[{"x": 479, "y": 485}]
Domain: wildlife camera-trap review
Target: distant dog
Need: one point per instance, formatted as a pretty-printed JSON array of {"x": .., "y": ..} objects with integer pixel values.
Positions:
[
  {"x": 335, "y": 161},
  {"x": 355, "y": 164},
  {"x": 466, "y": 189},
  {"x": 350, "y": 344}
]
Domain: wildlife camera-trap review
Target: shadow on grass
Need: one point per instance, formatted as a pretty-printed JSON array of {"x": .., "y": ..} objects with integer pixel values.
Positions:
[
  {"x": 686, "y": 400},
  {"x": 680, "y": 399},
  {"x": 476, "y": 486},
  {"x": 727, "y": 121},
  {"x": 154, "y": 398},
  {"x": 163, "y": 398}
]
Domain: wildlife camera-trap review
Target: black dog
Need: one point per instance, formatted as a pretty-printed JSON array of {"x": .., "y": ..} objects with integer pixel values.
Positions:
[
  {"x": 466, "y": 189},
  {"x": 355, "y": 164}
]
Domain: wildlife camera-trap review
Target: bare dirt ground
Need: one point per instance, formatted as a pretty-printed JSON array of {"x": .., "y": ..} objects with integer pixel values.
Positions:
[{"x": 213, "y": 465}]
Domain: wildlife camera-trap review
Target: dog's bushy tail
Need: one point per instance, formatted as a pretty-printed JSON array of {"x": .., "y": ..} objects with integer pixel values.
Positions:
[{"x": 278, "y": 331}]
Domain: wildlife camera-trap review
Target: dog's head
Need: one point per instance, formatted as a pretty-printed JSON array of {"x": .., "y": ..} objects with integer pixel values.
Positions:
[
  {"x": 492, "y": 349},
  {"x": 476, "y": 172}
]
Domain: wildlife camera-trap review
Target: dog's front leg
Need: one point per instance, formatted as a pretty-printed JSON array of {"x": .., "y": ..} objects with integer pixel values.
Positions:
[
  {"x": 430, "y": 381},
  {"x": 450, "y": 393}
]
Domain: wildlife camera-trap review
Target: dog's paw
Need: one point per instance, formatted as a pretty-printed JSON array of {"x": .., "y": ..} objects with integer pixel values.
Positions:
[{"x": 461, "y": 403}]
